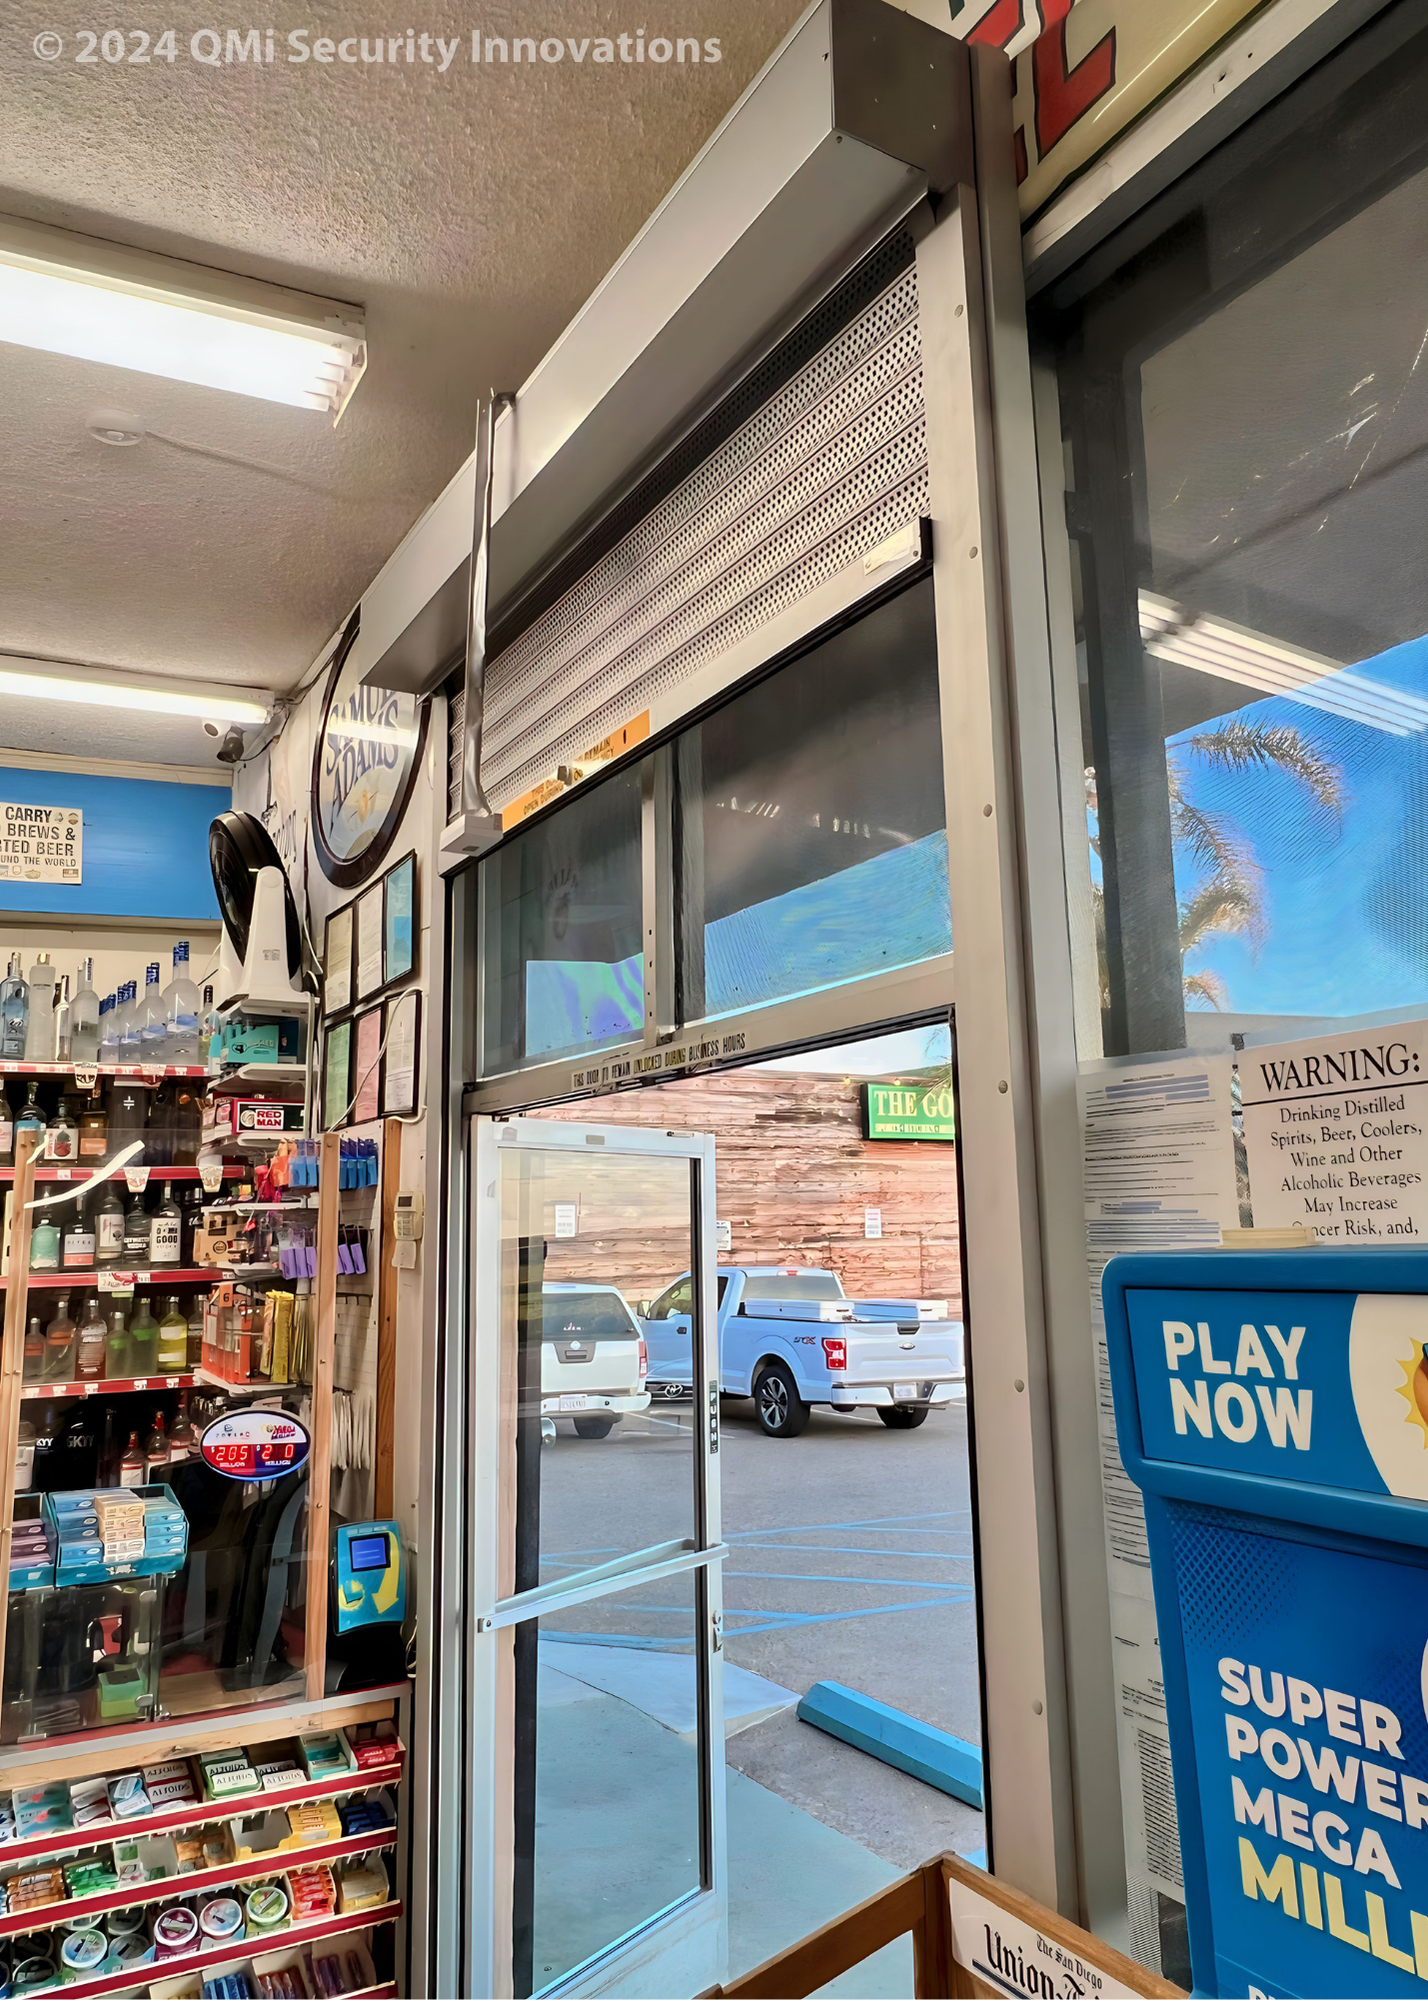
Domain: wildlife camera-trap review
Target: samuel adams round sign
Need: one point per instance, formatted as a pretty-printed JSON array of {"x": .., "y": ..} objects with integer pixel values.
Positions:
[{"x": 368, "y": 747}]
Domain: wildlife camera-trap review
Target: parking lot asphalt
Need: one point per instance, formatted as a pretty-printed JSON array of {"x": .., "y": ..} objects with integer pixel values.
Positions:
[{"x": 850, "y": 1560}]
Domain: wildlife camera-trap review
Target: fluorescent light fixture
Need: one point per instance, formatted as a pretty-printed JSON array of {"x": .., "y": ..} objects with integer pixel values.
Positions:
[
  {"x": 1237, "y": 653},
  {"x": 91, "y": 688},
  {"x": 101, "y": 302}
]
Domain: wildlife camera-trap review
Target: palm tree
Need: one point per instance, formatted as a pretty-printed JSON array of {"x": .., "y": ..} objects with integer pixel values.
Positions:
[{"x": 1229, "y": 897}]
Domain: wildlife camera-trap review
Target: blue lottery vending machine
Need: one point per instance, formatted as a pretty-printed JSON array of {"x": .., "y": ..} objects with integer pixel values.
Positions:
[{"x": 1273, "y": 1408}]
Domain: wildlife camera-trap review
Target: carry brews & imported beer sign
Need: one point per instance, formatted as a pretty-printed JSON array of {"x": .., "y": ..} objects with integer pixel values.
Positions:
[{"x": 41, "y": 843}]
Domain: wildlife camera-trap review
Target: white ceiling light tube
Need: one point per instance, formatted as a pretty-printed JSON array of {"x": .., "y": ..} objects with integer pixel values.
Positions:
[
  {"x": 101, "y": 302},
  {"x": 91, "y": 687}
]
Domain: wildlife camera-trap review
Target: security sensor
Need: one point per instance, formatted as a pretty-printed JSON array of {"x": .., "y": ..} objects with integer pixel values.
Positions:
[
  {"x": 210, "y": 728},
  {"x": 230, "y": 750}
]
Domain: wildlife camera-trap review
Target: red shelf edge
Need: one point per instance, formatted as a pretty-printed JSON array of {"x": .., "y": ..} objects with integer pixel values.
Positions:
[
  {"x": 46, "y": 1846},
  {"x": 106, "y": 1385},
  {"x": 258, "y": 1867}
]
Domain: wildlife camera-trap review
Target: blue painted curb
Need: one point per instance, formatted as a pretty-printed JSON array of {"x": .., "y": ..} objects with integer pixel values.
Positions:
[{"x": 916, "y": 1747}]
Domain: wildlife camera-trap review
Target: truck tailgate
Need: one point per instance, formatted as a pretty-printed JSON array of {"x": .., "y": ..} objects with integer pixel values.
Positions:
[{"x": 890, "y": 1353}]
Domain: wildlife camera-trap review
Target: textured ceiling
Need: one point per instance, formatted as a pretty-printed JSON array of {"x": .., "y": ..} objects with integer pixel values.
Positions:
[{"x": 470, "y": 213}]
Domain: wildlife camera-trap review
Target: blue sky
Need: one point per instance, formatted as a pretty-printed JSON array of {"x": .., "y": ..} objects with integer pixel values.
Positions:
[{"x": 1346, "y": 898}]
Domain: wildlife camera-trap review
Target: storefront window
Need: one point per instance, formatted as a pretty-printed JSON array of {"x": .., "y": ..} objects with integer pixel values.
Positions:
[
  {"x": 812, "y": 840},
  {"x": 1245, "y": 397},
  {"x": 563, "y": 965}
]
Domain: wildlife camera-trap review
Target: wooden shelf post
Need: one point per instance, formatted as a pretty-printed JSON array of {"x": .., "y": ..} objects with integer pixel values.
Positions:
[
  {"x": 319, "y": 1488},
  {"x": 12, "y": 1351}
]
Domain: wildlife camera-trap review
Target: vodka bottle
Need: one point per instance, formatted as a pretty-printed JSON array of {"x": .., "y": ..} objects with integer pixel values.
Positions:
[
  {"x": 77, "y": 1241},
  {"x": 129, "y": 1024},
  {"x": 153, "y": 1022},
  {"x": 62, "y": 1053},
  {"x": 135, "y": 1254},
  {"x": 109, "y": 1226},
  {"x": 59, "y": 1344},
  {"x": 183, "y": 1440},
  {"x": 206, "y": 1029},
  {"x": 182, "y": 1005},
  {"x": 166, "y": 1230},
  {"x": 93, "y": 1341},
  {"x": 94, "y": 1129},
  {"x": 143, "y": 1341},
  {"x": 156, "y": 1451},
  {"x": 109, "y": 1029},
  {"x": 14, "y": 1013},
  {"x": 40, "y": 1033},
  {"x": 33, "y": 1363},
  {"x": 116, "y": 1347},
  {"x": 84, "y": 1018},
  {"x": 31, "y": 1118}
]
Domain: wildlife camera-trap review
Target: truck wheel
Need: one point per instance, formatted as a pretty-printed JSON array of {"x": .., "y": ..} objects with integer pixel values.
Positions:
[
  {"x": 594, "y": 1427},
  {"x": 782, "y": 1411},
  {"x": 900, "y": 1418}
]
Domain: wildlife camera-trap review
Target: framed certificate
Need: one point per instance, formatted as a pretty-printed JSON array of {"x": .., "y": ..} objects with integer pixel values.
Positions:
[
  {"x": 399, "y": 885},
  {"x": 369, "y": 943},
  {"x": 367, "y": 1065},
  {"x": 336, "y": 1074},
  {"x": 401, "y": 1063},
  {"x": 337, "y": 962}
]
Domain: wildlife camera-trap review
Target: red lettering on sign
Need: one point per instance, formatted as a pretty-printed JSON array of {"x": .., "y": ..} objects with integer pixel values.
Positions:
[
  {"x": 1063, "y": 95},
  {"x": 1002, "y": 20}
]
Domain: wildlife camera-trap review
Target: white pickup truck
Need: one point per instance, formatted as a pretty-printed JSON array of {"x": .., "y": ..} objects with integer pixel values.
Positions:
[{"x": 789, "y": 1337}]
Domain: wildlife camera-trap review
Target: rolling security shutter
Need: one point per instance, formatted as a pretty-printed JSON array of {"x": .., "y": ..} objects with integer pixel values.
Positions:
[{"x": 816, "y": 458}]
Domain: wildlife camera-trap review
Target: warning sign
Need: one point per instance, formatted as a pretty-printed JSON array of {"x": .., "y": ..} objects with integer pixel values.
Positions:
[{"x": 40, "y": 843}]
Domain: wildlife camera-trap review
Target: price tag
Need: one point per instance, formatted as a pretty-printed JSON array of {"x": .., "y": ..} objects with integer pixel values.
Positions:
[
  {"x": 141, "y": 1382},
  {"x": 153, "y": 1072},
  {"x": 64, "y": 1173},
  {"x": 138, "y": 1179},
  {"x": 123, "y": 1281},
  {"x": 86, "y": 1075},
  {"x": 210, "y": 1172},
  {"x": 91, "y": 1388}
]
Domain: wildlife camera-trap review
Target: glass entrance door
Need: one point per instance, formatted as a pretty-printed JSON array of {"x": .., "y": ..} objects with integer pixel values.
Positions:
[{"x": 597, "y": 1731}]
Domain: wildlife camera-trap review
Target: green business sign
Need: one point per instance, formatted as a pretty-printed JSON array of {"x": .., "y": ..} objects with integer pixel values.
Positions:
[{"x": 908, "y": 1111}]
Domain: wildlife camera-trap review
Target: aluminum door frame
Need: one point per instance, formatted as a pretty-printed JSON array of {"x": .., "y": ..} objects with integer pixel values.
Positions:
[{"x": 684, "y": 1950}]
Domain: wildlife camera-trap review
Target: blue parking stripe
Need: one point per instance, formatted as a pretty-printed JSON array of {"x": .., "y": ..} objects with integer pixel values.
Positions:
[
  {"x": 843, "y": 1549},
  {"x": 883, "y": 1521},
  {"x": 808, "y": 1576}
]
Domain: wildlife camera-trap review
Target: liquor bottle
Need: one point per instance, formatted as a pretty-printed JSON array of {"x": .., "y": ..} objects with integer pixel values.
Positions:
[
  {"x": 46, "y": 1438},
  {"x": 62, "y": 1053},
  {"x": 14, "y": 1012},
  {"x": 130, "y": 1025},
  {"x": 117, "y": 1354},
  {"x": 7, "y": 1127},
  {"x": 153, "y": 1024},
  {"x": 44, "y": 1241},
  {"x": 166, "y": 1230},
  {"x": 84, "y": 1018},
  {"x": 77, "y": 1241},
  {"x": 186, "y": 1132},
  {"x": 61, "y": 1134},
  {"x": 59, "y": 1344},
  {"x": 109, "y": 1226},
  {"x": 40, "y": 1030},
  {"x": 207, "y": 1024},
  {"x": 159, "y": 1128},
  {"x": 143, "y": 1341},
  {"x": 109, "y": 1029},
  {"x": 25, "y": 1456},
  {"x": 76, "y": 1455},
  {"x": 156, "y": 1451},
  {"x": 128, "y": 1116},
  {"x": 195, "y": 1332},
  {"x": 94, "y": 1129},
  {"x": 33, "y": 1367},
  {"x": 173, "y": 1340},
  {"x": 131, "y": 1465},
  {"x": 181, "y": 1010},
  {"x": 136, "y": 1235},
  {"x": 183, "y": 1438},
  {"x": 93, "y": 1342},
  {"x": 31, "y": 1118}
]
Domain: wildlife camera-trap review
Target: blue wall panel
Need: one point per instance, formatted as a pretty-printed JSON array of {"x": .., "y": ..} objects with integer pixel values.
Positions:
[{"x": 145, "y": 846}]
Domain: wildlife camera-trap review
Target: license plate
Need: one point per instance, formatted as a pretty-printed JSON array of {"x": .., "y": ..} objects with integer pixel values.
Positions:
[
  {"x": 905, "y": 1392},
  {"x": 575, "y": 1402}
]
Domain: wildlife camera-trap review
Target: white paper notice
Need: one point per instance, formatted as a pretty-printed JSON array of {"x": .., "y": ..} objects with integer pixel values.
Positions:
[
  {"x": 1159, "y": 1175},
  {"x": 41, "y": 843},
  {"x": 1337, "y": 1134}
]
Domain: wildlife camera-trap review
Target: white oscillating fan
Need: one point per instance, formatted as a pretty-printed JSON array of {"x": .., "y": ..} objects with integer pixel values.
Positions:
[{"x": 260, "y": 957}]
